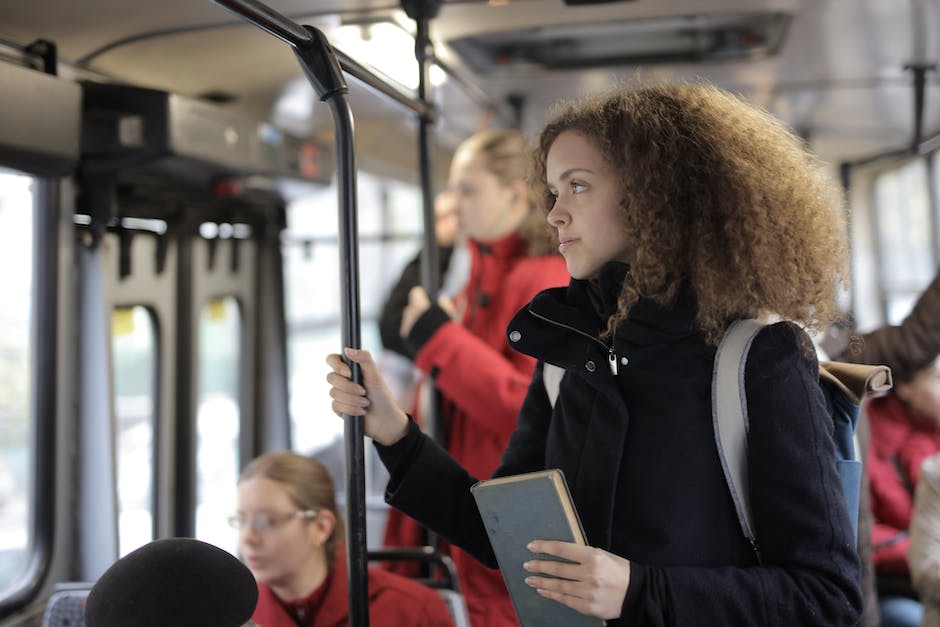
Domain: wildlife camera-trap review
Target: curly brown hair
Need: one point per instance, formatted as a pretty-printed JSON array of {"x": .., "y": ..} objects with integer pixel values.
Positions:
[
  {"x": 504, "y": 153},
  {"x": 719, "y": 196}
]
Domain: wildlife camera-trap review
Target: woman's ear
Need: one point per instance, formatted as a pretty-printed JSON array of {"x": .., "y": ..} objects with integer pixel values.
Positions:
[{"x": 323, "y": 525}]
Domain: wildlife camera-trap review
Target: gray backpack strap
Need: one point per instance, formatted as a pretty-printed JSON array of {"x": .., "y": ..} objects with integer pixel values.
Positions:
[
  {"x": 729, "y": 417},
  {"x": 551, "y": 377}
]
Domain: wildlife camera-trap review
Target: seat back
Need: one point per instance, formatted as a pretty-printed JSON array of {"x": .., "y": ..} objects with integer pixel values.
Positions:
[
  {"x": 66, "y": 606},
  {"x": 456, "y": 606}
]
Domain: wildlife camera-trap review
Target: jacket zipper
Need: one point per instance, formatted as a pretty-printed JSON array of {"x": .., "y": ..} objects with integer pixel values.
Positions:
[{"x": 611, "y": 354}]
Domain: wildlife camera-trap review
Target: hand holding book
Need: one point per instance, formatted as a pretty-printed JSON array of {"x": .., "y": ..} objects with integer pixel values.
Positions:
[
  {"x": 589, "y": 580},
  {"x": 537, "y": 537}
]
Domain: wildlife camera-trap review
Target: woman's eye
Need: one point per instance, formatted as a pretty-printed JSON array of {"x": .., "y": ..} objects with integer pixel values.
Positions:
[
  {"x": 550, "y": 200},
  {"x": 577, "y": 188}
]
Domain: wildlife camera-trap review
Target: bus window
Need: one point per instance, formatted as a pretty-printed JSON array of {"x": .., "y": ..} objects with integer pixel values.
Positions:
[
  {"x": 389, "y": 235},
  {"x": 902, "y": 208},
  {"x": 217, "y": 421},
  {"x": 133, "y": 347},
  {"x": 16, "y": 237}
]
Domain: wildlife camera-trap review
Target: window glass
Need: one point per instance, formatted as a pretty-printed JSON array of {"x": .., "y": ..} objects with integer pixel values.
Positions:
[
  {"x": 133, "y": 346},
  {"x": 403, "y": 210},
  {"x": 16, "y": 250},
  {"x": 217, "y": 421},
  {"x": 390, "y": 219},
  {"x": 904, "y": 229},
  {"x": 371, "y": 200},
  {"x": 314, "y": 214},
  {"x": 390, "y": 226}
]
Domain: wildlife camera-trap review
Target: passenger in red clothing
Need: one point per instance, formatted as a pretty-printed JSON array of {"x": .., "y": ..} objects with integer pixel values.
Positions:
[
  {"x": 463, "y": 346},
  {"x": 290, "y": 538},
  {"x": 905, "y": 430}
]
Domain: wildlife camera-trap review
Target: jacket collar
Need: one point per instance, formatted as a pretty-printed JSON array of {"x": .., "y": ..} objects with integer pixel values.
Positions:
[
  {"x": 506, "y": 247},
  {"x": 554, "y": 313},
  {"x": 333, "y": 609}
]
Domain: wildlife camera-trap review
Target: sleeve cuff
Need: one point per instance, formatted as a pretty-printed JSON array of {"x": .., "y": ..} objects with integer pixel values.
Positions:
[
  {"x": 400, "y": 456},
  {"x": 425, "y": 327},
  {"x": 631, "y": 602}
]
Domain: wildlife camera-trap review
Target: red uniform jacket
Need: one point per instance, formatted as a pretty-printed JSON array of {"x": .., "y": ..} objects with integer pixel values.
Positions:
[
  {"x": 394, "y": 601},
  {"x": 899, "y": 443},
  {"x": 483, "y": 382}
]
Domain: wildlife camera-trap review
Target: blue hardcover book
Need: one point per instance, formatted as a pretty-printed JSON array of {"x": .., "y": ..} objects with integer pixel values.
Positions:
[{"x": 521, "y": 508}]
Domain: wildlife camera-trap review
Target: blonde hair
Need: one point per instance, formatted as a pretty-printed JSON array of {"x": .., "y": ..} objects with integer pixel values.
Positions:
[
  {"x": 504, "y": 153},
  {"x": 720, "y": 198},
  {"x": 308, "y": 485}
]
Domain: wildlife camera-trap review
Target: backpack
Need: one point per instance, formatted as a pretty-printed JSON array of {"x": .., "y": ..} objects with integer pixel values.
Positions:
[{"x": 844, "y": 387}]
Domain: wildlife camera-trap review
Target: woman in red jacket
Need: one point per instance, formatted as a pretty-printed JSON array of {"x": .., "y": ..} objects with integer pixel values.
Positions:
[
  {"x": 290, "y": 538},
  {"x": 905, "y": 431},
  {"x": 462, "y": 346}
]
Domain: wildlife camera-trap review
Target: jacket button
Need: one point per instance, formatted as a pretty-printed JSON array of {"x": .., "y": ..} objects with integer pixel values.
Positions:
[
  {"x": 515, "y": 336},
  {"x": 624, "y": 361},
  {"x": 591, "y": 366}
]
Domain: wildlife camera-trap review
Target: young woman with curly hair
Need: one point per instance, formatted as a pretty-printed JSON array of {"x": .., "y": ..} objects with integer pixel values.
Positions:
[{"x": 679, "y": 209}]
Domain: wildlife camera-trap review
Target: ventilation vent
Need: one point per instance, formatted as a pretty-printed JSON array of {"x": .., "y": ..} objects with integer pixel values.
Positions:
[{"x": 663, "y": 40}]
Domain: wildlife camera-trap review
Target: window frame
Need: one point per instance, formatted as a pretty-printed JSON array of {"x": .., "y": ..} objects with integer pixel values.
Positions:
[{"x": 43, "y": 377}]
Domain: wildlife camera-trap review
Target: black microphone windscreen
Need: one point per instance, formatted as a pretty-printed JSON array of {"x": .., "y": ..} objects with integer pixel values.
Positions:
[{"x": 177, "y": 582}]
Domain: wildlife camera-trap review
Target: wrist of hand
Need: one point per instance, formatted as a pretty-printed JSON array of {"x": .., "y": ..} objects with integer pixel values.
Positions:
[{"x": 393, "y": 431}]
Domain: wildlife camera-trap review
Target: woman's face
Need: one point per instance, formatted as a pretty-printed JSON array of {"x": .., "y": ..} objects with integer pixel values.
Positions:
[
  {"x": 486, "y": 208},
  {"x": 278, "y": 545},
  {"x": 922, "y": 393},
  {"x": 587, "y": 213}
]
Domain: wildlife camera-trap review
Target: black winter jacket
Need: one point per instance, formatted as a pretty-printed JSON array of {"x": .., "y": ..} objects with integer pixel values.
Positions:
[{"x": 638, "y": 452}]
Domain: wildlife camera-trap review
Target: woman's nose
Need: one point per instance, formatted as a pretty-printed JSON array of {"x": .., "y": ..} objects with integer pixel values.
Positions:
[
  {"x": 249, "y": 535},
  {"x": 557, "y": 215}
]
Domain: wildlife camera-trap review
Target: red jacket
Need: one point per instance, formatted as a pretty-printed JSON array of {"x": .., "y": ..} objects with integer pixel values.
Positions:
[
  {"x": 483, "y": 382},
  {"x": 898, "y": 446},
  {"x": 394, "y": 601}
]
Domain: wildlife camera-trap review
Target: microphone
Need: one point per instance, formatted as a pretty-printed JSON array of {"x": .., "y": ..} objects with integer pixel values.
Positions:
[{"x": 175, "y": 581}]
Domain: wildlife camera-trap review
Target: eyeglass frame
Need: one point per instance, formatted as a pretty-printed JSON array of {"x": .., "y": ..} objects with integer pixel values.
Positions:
[{"x": 235, "y": 521}]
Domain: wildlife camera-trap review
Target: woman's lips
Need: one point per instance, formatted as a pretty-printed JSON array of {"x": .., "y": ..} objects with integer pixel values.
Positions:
[{"x": 566, "y": 244}]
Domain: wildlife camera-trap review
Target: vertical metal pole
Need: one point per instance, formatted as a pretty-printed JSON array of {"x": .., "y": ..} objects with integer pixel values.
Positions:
[
  {"x": 430, "y": 264},
  {"x": 354, "y": 425},
  {"x": 934, "y": 198},
  {"x": 845, "y": 178},
  {"x": 322, "y": 69},
  {"x": 319, "y": 63},
  {"x": 421, "y": 11},
  {"x": 429, "y": 254}
]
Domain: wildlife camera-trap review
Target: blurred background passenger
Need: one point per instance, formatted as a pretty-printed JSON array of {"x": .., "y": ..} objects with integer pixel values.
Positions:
[
  {"x": 923, "y": 555},
  {"x": 462, "y": 344},
  {"x": 453, "y": 269},
  {"x": 905, "y": 431},
  {"x": 886, "y": 508},
  {"x": 290, "y": 536}
]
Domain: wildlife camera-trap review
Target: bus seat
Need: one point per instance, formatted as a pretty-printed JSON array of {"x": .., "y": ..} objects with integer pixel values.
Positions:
[
  {"x": 456, "y": 606},
  {"x": 66, "y": 606}
]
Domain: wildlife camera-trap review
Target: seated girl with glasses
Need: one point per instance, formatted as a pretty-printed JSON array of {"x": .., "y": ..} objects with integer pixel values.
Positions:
[{"x": 290, "y": 537}]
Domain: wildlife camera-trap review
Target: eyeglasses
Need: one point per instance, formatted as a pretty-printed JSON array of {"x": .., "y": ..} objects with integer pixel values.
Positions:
[{"x": 264, "y": 521}]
